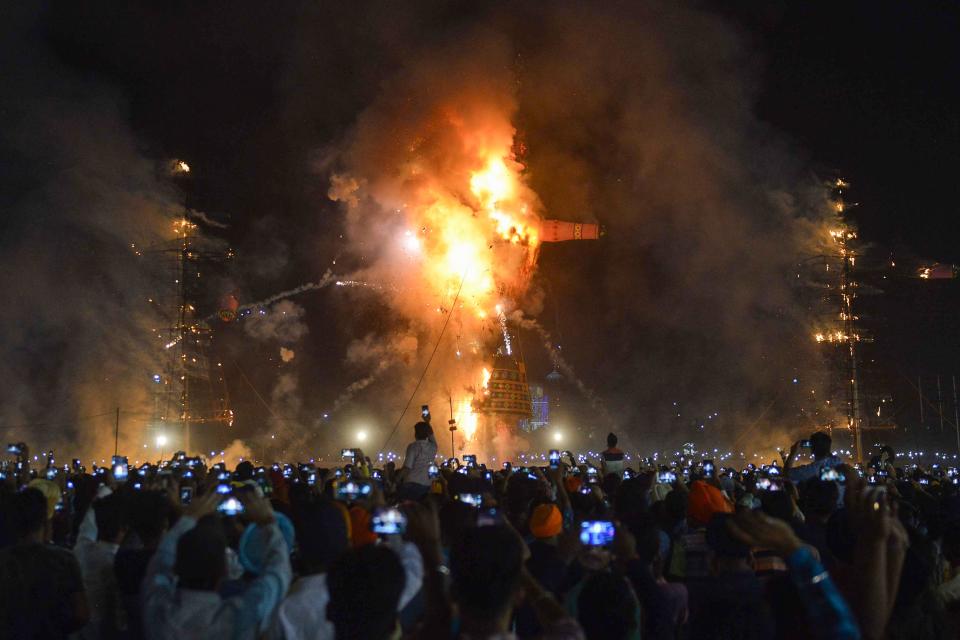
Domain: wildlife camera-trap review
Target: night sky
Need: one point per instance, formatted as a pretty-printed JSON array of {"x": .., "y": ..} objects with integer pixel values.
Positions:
[
  {"x": 256, "y": 95},
  {"x": 866, "y": 89}
]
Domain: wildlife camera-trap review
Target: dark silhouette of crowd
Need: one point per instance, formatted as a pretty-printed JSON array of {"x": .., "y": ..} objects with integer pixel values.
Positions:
[{"x": 618, "y": 547}]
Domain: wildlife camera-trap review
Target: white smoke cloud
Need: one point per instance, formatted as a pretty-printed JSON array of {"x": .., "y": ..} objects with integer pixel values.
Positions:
[
  {"x": 374, "y": 352},
  {"x": 375, "y": 356},
  {"x": 236, "y": 452},
  {"x": 283, "y": 322}
]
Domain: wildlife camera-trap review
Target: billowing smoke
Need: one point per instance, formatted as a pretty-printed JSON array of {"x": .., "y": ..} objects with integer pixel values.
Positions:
[
  {"x": 235, "y": 453},
  {"x": 639, "y": 116},
  {"x": 374, "y": 356},
  {"x": 643, "y": 120},
  {"x": 285, "y": 406},
  {"x": 76, "y": 330},
  {"x": 283, "y": 323}
]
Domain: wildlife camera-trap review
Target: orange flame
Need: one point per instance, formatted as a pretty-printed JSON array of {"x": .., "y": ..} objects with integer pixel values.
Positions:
[
  {"x": 467, "y": 225},
  {"x": 466, "y": 418}
]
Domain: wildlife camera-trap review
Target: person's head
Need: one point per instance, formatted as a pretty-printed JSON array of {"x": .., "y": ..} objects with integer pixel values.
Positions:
[
  {"x": 611, "y": 440},
  {"x": 27, "y": 515},
  {"x": 321, "y": 535},
  {"x": 485, "y": 566},
  {"x": 521, "y": 491},
  {"x": 607, "y": 608},
  {"x": 819, "y": 498},
  {"x": 820, "y": 445},
  {"x": 365, "y": 586},
  {"x": 545, "y": 521},
  {"x": 610, "y": 484},
  {"x": 631, "y": 496},
  {"x": 728, "y": 553},
  {"x": 455, "y": 518},
  {"x": 647, "y": 543},
  {"x": 675, "y": 506},
  {"x": 887, "y": 454},
  {"x": 777, "y": 504},
  {"x": 422, "y": 430},
  {"x": 201, "y": 561},
  {"x": 703, "y": 501},
  {"x": 150, "y": 513},
  {"x": 111, "y": 518},
  {"x": 245, "y": 471},
  {"x": 50, "y": 491}
]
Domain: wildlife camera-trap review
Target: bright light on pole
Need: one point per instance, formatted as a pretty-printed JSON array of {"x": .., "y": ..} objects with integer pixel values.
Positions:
[
  {"x": 361, "y": 436},
  {"x": 557, "y": 436}
]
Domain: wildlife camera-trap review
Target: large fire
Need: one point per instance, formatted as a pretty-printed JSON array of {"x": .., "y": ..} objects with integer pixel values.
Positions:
[
  {"x": 457, "y": 239},
  {"x": 467, "y": 229},
  {"x": 460, "y": 246}
]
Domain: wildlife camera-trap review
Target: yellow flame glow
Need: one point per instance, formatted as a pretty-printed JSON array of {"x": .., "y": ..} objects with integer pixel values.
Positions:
[
  {"x": 466, "y": 418},
  {"x": 458, "y": 245}
]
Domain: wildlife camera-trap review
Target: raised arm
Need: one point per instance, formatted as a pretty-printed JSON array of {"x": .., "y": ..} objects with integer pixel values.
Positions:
[
  {"x": 789, "y": 458},
  {"x": 878, "y": 555},
  {"x": 160, "y": 584},
  {"x": 258, "y": 601},
  {"x": 423, "y": 530},
  {"x": 563, "y": 500},
  {"x": 818, "y": 595}
]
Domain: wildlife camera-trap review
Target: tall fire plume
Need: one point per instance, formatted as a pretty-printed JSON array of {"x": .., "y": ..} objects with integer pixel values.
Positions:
[{"x": 440, "y": 209}]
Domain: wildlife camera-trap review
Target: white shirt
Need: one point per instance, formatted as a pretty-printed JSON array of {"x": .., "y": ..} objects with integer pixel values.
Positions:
[
  {"x": 99, "y": 580},
  {"x": 171, "y": 613},
  {"x": 100, "y": 584},
  {"x": 420, "y": 455},
  {"x": 303, "y": 613},
  {"x": 809, "y": 471}
]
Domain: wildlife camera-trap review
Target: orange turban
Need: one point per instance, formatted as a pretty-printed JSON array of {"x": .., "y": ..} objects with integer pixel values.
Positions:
[
  {"x": 546, "y": 521},
  {"x": 572, "y": 484},
  {"x": 706, "y": 500},
  {"x": 360, "y": 534}
]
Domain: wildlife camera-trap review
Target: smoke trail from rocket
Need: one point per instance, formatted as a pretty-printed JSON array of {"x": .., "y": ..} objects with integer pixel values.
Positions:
[
  {"x": 566, "y": 368},
  {"x": 326, "y": 280}
]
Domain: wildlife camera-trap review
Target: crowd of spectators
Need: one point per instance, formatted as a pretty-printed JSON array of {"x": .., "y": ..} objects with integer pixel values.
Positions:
[{"x": 805, "y": 547}]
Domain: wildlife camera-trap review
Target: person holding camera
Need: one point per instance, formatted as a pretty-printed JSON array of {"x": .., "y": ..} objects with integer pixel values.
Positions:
[
  {"x": 612, "y": 457},
  {"x": 181, "y": 590},
  {"x": 819, "y": 445},
  {"x": 421, "y": 453}
]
